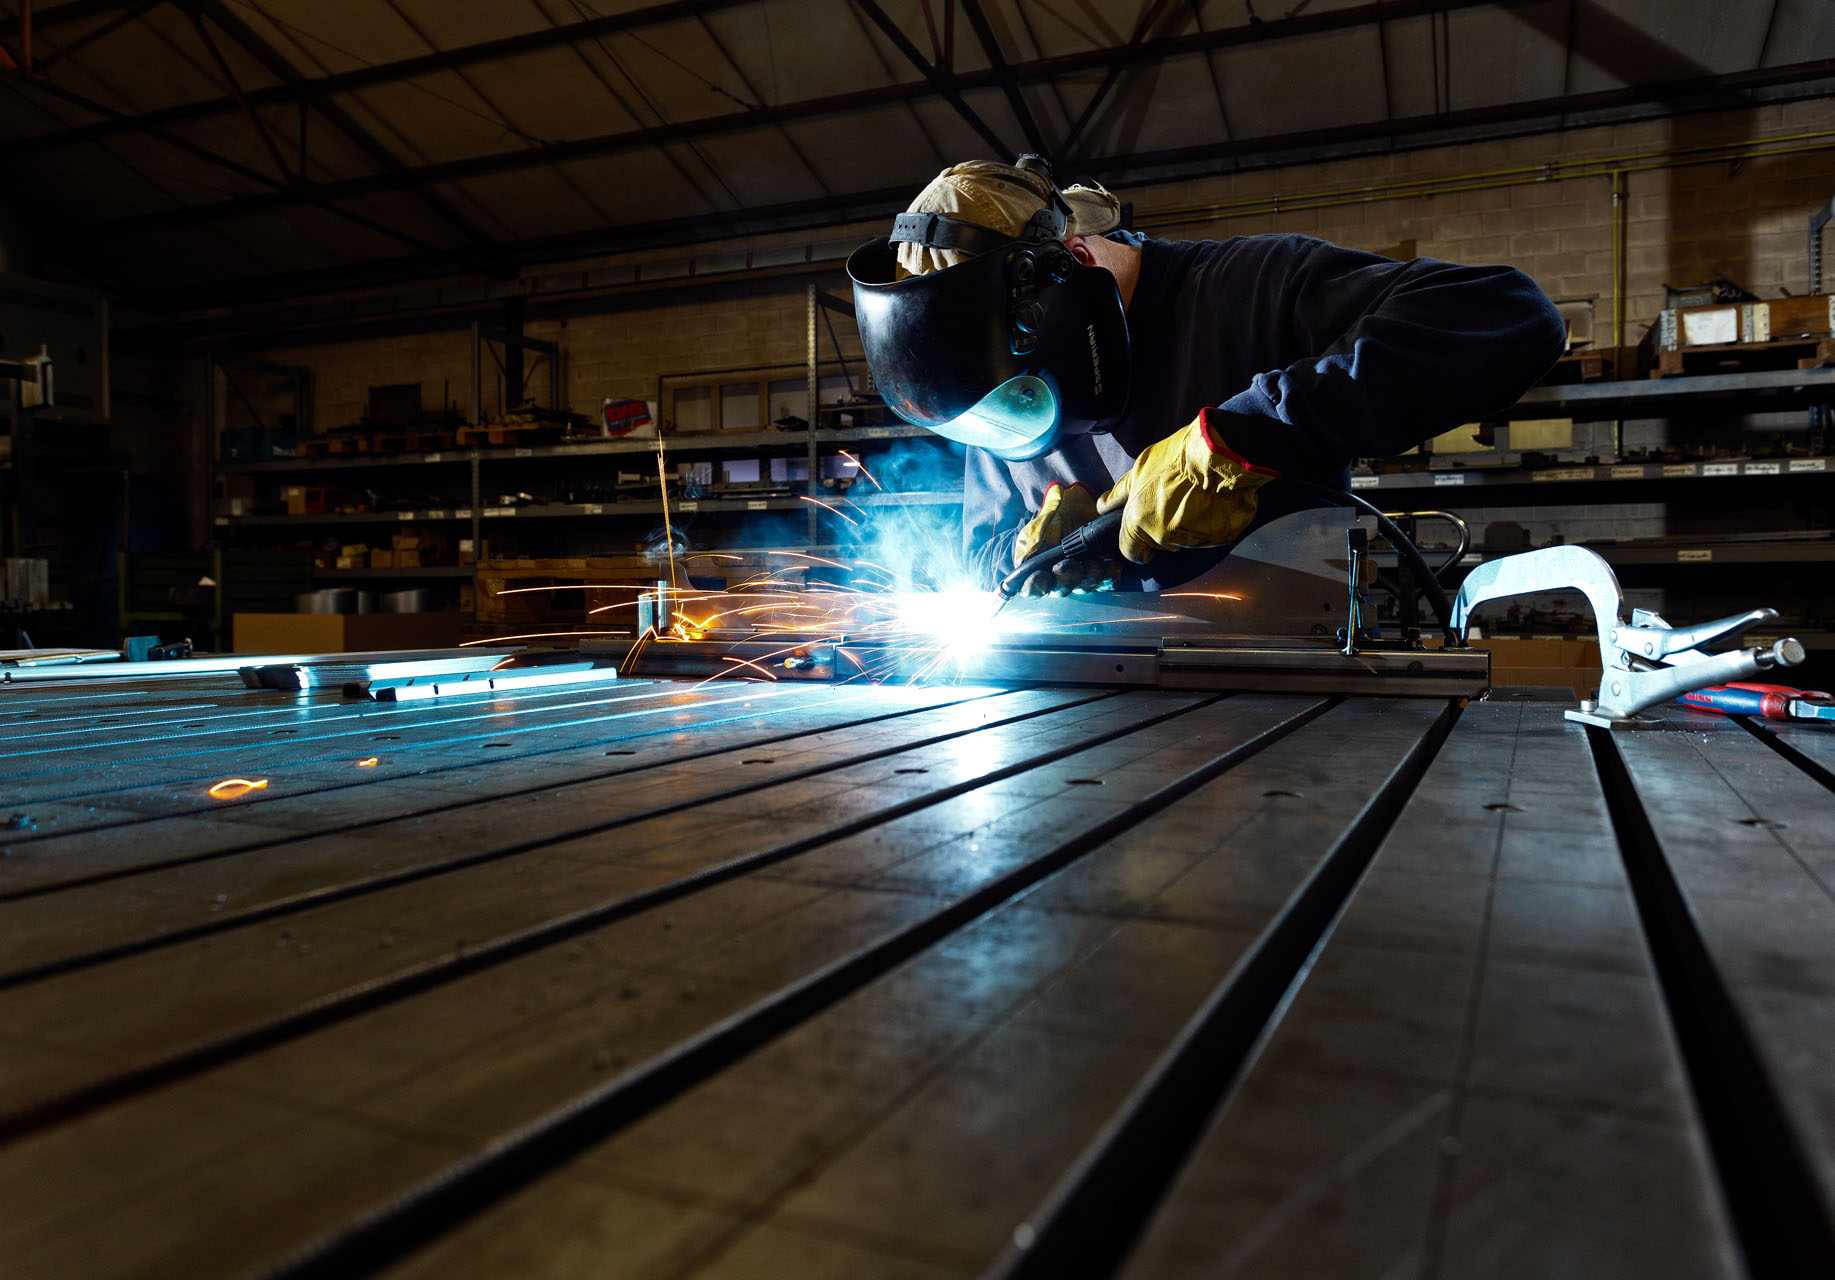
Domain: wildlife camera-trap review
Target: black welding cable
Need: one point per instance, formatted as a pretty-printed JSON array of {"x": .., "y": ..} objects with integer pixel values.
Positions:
[
  {"x": 1103, "y": 530},
  {"x": 1404, "y": 547}
]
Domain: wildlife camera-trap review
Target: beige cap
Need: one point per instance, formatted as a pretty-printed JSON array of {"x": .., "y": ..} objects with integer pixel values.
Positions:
[{"x": 1001, "y": 198}]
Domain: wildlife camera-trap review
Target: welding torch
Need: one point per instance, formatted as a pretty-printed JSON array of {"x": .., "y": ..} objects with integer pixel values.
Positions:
[{"x": 1100, "y": 537}]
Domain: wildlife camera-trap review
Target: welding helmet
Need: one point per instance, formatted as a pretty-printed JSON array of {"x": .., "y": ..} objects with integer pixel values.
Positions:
[{"x": 1010, "y": 349}]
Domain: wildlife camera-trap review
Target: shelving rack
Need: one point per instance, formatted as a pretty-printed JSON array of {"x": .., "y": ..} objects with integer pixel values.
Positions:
[{"x": 1563, "y": 483}]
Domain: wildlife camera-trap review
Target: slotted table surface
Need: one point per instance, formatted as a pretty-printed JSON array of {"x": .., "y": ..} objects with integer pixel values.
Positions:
[{"x": 664, "y": 979}]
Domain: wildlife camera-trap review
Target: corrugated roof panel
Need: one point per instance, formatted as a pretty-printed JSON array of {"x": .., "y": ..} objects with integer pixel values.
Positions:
[
  {"x": 308, "y": 239},
  {"x": 439, "y": 117},
  {"x": 675, "y": 67},
  {"x": 1050, "y": 31},
  {"x": 410, "y": 214},
  {"x": 908, "y": 16},
  {"x": 1507, "y": 55},
  {"x": 954, "y": 138},
  {"x": 1411, "y": 46},
  {"x": 157, "y": 61},
  {"x": 573, "y": 101},
  {"x": 1652, "y": 41},
  {"x": 647, "y": 186},
  {"x": 330, "y": 154},
  {"x": 1155, "y": 108},
  {"x": 530, "y": 203},
  {"x": 788, "y": 57},
  {"x": 759, "y": 167},
  {"x": 1803, "y": 31},
  {"x": 866, "y": 152},
  {"x": 451, "y": 26},
  {"x": 1341, "y": 72},
  {"x": 331, "y": 36}
]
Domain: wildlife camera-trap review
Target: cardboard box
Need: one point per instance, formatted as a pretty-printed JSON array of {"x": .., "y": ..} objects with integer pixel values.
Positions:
[
  {"x": 380, "y": 559},
  {"x": 1562, "y": 662},
  {"x": 345, "y": 632},
  {"x": 407, "y": 559}
]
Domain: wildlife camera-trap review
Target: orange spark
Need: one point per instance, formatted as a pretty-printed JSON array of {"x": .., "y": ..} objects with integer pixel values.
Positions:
[
  {"x": 368, "y": 764},
  {"x": 837, "y": 510},
  {"x": 236, "y": 788},
  {"x": 863, "y": 470},
  {"x": 747, "y": 663}
]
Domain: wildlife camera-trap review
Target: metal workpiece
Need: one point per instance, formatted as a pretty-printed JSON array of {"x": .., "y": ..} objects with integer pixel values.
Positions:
[{"x": 1644, "y": 661}]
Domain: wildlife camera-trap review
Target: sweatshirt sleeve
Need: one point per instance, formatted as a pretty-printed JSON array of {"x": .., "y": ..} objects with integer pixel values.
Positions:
[
  {"x": 1407, "y": 350},
  {"x": 992, "y": 513}
]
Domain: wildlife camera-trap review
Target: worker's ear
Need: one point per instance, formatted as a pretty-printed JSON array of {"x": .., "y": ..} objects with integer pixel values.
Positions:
[{"x": 1079, "y": 250}]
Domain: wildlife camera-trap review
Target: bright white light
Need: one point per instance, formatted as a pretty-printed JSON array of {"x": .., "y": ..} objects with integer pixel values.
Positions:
[{"x": 959, "y": 620}]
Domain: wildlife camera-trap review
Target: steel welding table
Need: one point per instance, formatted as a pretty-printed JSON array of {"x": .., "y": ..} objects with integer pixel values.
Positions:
[{"x": 811, "y": 980}]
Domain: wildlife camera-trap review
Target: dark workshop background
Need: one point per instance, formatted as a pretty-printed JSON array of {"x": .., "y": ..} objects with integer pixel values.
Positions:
[{"x": 297, "y": 213}]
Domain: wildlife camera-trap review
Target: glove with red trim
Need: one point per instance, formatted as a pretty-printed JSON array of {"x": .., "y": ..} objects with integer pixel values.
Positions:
[{"x": 1188, "y": 490}]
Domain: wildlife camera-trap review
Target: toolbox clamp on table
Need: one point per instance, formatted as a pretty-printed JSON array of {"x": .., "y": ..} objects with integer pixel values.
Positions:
[{"x": 1643, "y": 660}]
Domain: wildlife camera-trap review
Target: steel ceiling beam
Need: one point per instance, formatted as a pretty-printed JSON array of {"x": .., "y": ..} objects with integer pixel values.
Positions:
[
  {"x": 1039, "y": 70},
  {"x": 1090, "y": 108},
  {"x": 1035, "y": 71},
  {"x": 945, "y": 84},
  {"x": 284, "y": 71},
  {"x": 1709, "y": 93},
  {"x": 1702, "y": 93},
  {"x": 321, "y": 87},
  {"x": 1009, "y": 85}
]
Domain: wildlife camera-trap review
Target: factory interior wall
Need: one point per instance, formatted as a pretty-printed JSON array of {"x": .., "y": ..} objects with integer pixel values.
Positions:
[{"x": 1745, "y": 219}]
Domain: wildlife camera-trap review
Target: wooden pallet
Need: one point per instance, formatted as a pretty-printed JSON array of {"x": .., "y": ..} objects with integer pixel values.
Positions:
[
  {"x": 334, "y": 446},
  {"x": 1581, "y": 366},
  {"x": 1747, "y": 357},
  {"x": 512, "y": 433},
  {"x": 795, "y": 980},
  {"x": 421, "y": 441}
]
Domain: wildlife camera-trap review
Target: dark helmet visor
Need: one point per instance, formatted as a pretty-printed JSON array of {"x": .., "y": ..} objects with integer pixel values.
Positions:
[{"x": 1007, "y": 351}]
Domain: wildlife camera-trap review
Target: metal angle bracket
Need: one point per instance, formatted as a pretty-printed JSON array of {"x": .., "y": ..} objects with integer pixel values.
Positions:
[{"x": 1643, "y": 660}]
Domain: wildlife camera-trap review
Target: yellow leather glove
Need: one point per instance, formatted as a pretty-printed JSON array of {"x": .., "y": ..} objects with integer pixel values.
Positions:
[
  {"x": 1064, "y": 508},
  {"x": 1188, "y": 490}
]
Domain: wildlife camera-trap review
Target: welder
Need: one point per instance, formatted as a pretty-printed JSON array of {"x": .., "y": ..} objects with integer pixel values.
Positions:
[{"x": 1092, "y": 368}]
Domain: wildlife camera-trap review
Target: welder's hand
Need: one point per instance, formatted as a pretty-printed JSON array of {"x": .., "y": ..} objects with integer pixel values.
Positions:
[
  {"x": 1063, "y": 508},
  {"x": 1188, "y": 490},
  {"x": 1068, "y": 576}
]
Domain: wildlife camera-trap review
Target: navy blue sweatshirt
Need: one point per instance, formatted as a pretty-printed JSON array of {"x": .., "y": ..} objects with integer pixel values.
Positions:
[{"x": 1312, "y": 356}]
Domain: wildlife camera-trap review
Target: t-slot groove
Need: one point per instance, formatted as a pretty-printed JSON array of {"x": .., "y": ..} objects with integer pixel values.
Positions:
[
  {"x": 1765, "y": 1177},
  {"x": 360, "y": 998},
  {"x": 513, "y": 1161},
  {"x": 187, "y": 860},
  {"x": 1090, "y": 1222},
  {"x": 372, "y": 884},
  {"x": 1815, "y": 769}
]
